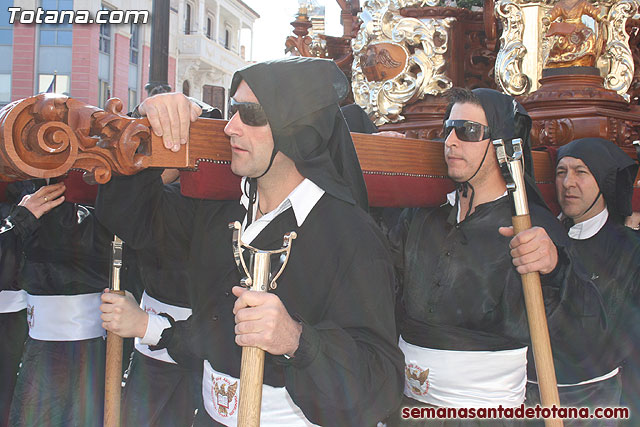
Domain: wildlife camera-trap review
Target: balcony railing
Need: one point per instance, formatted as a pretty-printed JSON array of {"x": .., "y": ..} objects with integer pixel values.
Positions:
[{"x": 210, "y": 51}]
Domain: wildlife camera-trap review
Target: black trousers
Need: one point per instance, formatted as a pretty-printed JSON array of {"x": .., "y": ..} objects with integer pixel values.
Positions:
[
  {"x": 60, "y": 383},
  {"x": 159, "y": 394},
  {"x": 602, "y": 394},
  {"x": 13, "y": 332}
]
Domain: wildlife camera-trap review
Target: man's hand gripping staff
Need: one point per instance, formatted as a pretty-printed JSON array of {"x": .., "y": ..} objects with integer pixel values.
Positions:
[
  {"x": 513, "y": 172},
  {"x": 260, "y": 280}
]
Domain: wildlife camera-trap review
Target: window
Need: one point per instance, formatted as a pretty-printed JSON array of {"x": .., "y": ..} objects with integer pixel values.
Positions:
[
  {"x": 104, "y": 92},
  {"x": 46, "y": 83},
  {"x": 133, "y": 43},
  {"x": 187, "y": 19},
  {"x": 133, "y": 99},
  {"x": 105, "y": 36},
  {"x": 5, "y": 88},
  {"x": 56, "y": 34},
  {"x": 6, "y": 30},
  {"x": 185, "y": 87},
  {"x": 209, "y": 23},
  {"x": 6, "y": 36},
  {"x": 227, "y": 39}
]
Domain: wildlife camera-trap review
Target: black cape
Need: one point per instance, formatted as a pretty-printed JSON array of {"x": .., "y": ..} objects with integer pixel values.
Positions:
[{"x": 339, "y": 283}]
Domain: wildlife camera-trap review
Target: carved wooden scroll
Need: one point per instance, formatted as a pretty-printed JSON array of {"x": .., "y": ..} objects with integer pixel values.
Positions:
[{"x": 46, "y": 135}]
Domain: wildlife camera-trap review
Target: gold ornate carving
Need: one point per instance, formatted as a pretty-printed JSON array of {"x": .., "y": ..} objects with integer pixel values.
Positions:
[
  {"x": 416, "y": 3},
  {"x": 508, "y": 68},
  {"x": 302, "y": 44},
  {"x": 397, "y": 59},
  {"x": 617, "y": 54},
  {"x": 574, "y": 34},
  {"x": 306, "y": 46}
]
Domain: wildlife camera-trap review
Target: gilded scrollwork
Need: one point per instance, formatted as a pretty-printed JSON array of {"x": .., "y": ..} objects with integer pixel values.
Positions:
[
  {"x": 417, "y": 3},
  {"x": 508, "y": 68},
  {"x": 617, "y": 54},
  {"x": 397, "y": 59}
]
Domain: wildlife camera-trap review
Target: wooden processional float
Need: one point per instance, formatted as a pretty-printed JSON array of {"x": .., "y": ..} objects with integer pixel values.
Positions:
[{"x": 46, "y": 136}]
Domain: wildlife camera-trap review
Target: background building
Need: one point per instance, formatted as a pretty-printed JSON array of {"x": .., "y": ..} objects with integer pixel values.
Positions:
[
  {"x": 209, "y": 40},
  {"x": 215, "y": 39}
]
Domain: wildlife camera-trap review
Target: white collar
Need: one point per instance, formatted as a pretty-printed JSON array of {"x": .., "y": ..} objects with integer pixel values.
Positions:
[
  {"x": 302, "y": 199},
  {"x": 451, "y": 198},
  {"x": 589, "y": 228}
]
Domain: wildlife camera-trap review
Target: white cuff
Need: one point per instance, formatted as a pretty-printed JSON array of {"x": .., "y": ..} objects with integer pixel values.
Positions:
[{"x": 155, "y": 326}]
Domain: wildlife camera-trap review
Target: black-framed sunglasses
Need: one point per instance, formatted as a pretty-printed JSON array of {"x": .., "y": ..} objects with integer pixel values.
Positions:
[
  {"x": 251, "y": 113},
  {"x": 466, "y": 130}
]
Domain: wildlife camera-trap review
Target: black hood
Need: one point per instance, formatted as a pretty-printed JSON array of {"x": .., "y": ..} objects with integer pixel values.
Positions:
[
  {"x": 507, "y": 120},
  {"x": 300, "y": 97},
  {"x": 613, "y": 170}
]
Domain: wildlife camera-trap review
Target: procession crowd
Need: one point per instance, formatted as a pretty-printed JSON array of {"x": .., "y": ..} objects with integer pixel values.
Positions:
[{"x": 378, "y": 311}]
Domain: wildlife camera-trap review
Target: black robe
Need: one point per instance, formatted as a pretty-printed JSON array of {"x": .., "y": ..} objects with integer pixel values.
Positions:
[
  {"x": 158, "y": 393},
  {"x": 461, "y": 291},
  {"x": 13, "y": 325},
  {"x": 339, "y": 283},
  {"x": 612, "y": 260},
  {"x": 65, "y": 252}
]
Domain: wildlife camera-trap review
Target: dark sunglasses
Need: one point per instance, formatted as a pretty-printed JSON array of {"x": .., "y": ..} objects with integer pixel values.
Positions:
[
  {"x": 466, "y": 130},
  {"x": 251, "y": 113}
]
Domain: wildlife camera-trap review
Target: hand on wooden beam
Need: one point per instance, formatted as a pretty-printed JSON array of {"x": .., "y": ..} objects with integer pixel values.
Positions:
[{"x": 170, "y": 115}]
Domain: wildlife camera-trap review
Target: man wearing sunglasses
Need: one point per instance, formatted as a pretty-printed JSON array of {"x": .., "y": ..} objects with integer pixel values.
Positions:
[
  {"x": 328, "y": 328},
  {"x": 463, "y": 326}
]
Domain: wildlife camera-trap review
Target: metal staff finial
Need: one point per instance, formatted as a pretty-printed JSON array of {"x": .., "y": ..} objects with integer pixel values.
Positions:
[{"x": 259, "y": 279}]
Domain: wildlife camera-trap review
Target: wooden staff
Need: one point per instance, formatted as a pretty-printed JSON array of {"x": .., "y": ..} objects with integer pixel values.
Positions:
[
  {"x": 252, "y": 365},
  {"x": 259, "y": 279},
  {"x": 113, "y": 368},
  {"x": 512, "y": 170}
]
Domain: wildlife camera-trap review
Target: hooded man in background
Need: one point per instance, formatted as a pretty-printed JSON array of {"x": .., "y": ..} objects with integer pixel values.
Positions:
[{"x": 594, "y": 185}]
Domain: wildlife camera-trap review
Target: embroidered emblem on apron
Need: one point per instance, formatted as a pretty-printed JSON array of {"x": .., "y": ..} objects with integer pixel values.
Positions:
[
  {"x": 224, "y": 396},
  {"x": 416, "y": 379},
  {"x": 30, "y": 316}
]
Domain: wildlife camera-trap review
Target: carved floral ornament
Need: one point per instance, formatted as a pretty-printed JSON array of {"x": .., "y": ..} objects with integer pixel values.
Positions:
[
  {"x": 527, "y": 42},
  {"x": 397, "y": 60}
]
